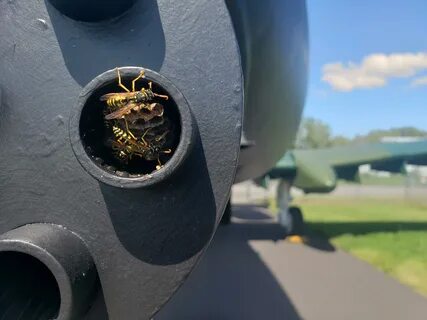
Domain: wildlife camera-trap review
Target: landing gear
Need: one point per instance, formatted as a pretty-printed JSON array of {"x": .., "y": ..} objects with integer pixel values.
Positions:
[
  {"x": 226, "y": 217},
  {"x": 289, "y": 217},
  {"x": 292, "y": 220},
  {"x": 297, "y": 227}
]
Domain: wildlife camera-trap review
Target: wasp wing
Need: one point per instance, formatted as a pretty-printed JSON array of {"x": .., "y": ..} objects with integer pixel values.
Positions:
[
  {"x": 122, "y": 111},
  {"x": 156, "y": 108},
  {"x": 108, "y": 96}
]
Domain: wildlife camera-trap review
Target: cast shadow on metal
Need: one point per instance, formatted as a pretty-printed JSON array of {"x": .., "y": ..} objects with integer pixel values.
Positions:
[
  {"x": 169, "y": 222},
  {"x": 88, "y": 49}
]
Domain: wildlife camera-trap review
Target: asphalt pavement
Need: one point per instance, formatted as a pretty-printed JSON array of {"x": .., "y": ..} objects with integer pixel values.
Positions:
[{"x": 251, "y": 272}]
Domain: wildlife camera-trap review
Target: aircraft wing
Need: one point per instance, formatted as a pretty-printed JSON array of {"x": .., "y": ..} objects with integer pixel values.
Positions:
[{"x": 318, "y": 170}]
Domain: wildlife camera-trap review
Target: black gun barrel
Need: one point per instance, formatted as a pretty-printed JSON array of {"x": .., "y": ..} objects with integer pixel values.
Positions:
[{"x": 46, "y": 272}]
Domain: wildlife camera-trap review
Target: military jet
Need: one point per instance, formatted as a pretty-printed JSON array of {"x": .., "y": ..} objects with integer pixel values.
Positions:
[{"x": 318, "y": 171}]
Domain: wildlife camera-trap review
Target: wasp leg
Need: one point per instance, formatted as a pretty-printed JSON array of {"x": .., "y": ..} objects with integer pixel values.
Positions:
[
  {"x": 160, "y": 137},
  {"x": 167, "y": 151},
  {"x": 142, "y": 138},
  {"x": 159, "y": 165},
  {"x": 161, "y": 96},
  {"x": 120, "y": 80},
  {"x": 150, "y": 86},
  {"x": 127, "y": 129},
  {"x": 141, "y": 75}
]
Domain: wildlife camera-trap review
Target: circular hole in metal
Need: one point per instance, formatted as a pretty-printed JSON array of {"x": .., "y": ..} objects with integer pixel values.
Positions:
[
  {"x": 92, "y": 10},
  {"x": 28, "y": 288},
  {"x": 108, "y": 142}
]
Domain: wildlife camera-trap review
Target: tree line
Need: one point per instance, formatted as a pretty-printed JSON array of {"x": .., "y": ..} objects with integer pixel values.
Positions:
[{"x": 314, "y": 133}]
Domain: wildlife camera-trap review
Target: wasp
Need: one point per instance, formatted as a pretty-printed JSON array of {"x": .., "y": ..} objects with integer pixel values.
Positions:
[
  {"x": 126, "y": 146},
  {"x": 122, "y": 99},
  {"x": 133, "y": 100}
]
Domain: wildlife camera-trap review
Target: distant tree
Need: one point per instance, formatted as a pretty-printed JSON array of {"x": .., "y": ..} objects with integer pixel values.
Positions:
[
  {"x": 377, "y": 135},
  {"x": 339, "y": 141},
  {"x": 313, "y": 134}
]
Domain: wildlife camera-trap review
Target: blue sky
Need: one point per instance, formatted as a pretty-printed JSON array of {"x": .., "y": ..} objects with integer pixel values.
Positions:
[{"x": 382, "y": 96}]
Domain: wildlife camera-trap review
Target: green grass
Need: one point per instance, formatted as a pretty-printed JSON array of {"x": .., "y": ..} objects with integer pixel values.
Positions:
[{"x": 389, "y": 234}]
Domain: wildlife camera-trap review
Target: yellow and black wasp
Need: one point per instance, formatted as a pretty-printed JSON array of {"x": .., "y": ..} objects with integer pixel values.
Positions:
[
  {"x": 126, "y": 147},
  {"x": 117, "y": 100}
]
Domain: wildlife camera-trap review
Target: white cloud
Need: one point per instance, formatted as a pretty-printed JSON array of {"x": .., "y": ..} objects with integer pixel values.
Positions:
[
  {"x": 421, "y": 81},
  {"x": 374, "y": 70}
]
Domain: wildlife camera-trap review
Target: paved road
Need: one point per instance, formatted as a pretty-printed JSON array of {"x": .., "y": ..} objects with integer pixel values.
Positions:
[{"x": 249, "y": 272}]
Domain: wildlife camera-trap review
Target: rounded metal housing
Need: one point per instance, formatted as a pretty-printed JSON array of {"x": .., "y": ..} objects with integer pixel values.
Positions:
[{"x": 144, "y": 239}]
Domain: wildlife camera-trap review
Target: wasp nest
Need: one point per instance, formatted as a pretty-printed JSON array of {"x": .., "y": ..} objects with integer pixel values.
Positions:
[{"x": 140, "y": 127}]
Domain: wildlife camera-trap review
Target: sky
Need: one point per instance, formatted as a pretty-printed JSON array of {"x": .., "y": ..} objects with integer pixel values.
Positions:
[{"x": 368, "y": 64}]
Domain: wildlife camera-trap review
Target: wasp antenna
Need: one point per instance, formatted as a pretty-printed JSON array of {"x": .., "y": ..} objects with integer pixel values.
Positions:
[{"x": 161, "y": 96}]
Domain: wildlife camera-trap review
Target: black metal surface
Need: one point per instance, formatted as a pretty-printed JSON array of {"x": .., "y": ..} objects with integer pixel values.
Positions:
[{"x": 143, "y": 241}]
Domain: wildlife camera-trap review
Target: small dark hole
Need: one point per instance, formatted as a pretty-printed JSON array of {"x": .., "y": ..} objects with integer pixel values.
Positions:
[
  {"x": 92, "y": 10},
  {"x": 97, "y": 134},
  {"x": 28, "y": 290}
]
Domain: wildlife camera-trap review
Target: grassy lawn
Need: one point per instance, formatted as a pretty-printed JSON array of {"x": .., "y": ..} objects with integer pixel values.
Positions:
[{"x": 389, "y": 234}]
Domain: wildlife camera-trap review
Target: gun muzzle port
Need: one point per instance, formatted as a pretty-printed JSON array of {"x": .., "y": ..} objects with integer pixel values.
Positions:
[
  {"x": 46, "y": 272},
  {"x": 131, "y": 151},
  {"x": 92, "y": 10},
  {"x": 28, "y": 288}
]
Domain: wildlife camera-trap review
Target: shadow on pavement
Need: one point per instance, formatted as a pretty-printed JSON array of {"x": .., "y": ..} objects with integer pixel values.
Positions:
[
  {"x": 250, "y": 212},
  {"x": 318, "y": 242},
  {"x": 232, "y": 282},
  {"x": 260, "y": 225}
]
